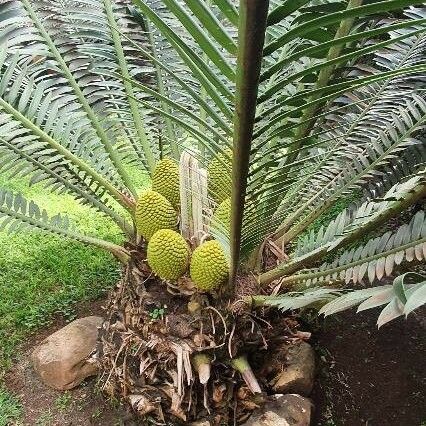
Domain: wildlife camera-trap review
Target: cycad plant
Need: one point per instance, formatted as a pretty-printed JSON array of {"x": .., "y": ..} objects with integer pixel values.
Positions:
[{"x": 284, "y": 145}]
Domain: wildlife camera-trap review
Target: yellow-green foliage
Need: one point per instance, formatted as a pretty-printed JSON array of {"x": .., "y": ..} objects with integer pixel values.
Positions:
[
  {"x": 209, "y": 267},
  {"x": 154, "y": 212},
  {"x": 221, "y": 219},
  {"x": 168, "y": 254},
  {"x": 219, "y": 176},
  {"x": 165, "y": 180}
]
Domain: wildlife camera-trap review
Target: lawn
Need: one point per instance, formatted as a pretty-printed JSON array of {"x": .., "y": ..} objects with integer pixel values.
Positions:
[{"x": 43, "y": 275}]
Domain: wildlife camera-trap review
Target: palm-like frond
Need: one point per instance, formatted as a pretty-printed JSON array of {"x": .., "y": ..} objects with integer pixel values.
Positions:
[
  {"x": 17, "y": 159},
  {"x": 16, "y": 214},
  {"x": 400, "y": 298},
  {"x": 353, "y": 134},
  {"x": 350, "y": 226},
  {"x": 286, "y": 84},
  {"x": 100, "y": 30},
  {"x": 361, "y": 161},
  {"x": 52, "y": 130},
  {"x": 47, "y": 42},
  {"x": 299, "y": 49},
  {"x": 186, "y": 70},
  {"x": 373, "y": 260}
]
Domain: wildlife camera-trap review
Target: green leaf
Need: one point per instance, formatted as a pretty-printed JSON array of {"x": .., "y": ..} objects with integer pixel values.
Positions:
[
  {"x": 202, "y": 40},
  {"x": 212, "y": 24},
  {"x": 379, "y": 7},
  {"x": 228, "y": 9},
  {"x": 340, "y": 59},
  {"x": 284, "y": 10},
  {"x": 416, "y": 299},
  {"x": 393, "y": 310},
  {"x": 382, "y": 296},
  {"x": 190, "y": 58}
]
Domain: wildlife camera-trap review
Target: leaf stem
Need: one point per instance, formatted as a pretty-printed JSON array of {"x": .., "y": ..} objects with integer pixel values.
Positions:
[
  {"x": 310, "y": 258},
  {"x": 294, "y": 279},
  {"x": 202, "y": 365},
  {"x": 243, "y": 367},
  {"x": 120, "y": 197},
  {"x": 251, "y": 37}
]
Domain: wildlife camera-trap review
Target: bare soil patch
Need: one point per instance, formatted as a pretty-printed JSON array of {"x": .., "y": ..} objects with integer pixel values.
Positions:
[
  {"x": 43, "y": 406},
  {"x": 371, "y": 377}
]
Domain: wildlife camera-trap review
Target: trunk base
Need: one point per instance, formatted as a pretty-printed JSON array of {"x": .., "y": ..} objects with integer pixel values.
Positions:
[{"x": 149, "y": 340}]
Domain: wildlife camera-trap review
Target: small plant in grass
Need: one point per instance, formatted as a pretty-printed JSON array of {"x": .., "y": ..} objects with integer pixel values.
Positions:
[
  {"x": 266, "y": 106},
  {"x": 63, "y": 401},
  {"x": 45, "y": 419},
  {"x": 10, "y": 408}
]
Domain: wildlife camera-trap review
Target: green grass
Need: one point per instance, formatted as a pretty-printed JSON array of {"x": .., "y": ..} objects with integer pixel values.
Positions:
[
  {"x": 10, "y": 408},
  {"x": 41, "y": 275},
  {"x": 63, "y": 401}
]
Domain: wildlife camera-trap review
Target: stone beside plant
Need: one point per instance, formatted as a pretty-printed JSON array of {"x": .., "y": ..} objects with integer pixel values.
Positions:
[{"x": 64, "y": 359}]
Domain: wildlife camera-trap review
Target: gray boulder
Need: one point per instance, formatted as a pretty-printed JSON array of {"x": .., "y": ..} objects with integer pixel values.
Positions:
[
  {"x": 294, "y": 369},
  {"x": 283, "y": 410}
]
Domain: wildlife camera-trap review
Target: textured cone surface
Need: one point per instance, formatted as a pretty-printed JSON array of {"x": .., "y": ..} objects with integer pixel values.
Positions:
[
  {"x": 221, "y": 219},
  {"x": 209, "y": 267},
  {"x": 165, "y": 180},
  {"x": 219, "y": 176},
  {"x": 168, "y": 254},
  {"x": 154, "y": 212}
]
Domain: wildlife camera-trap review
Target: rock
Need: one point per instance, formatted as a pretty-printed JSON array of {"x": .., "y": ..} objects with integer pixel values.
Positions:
[
  {"x": 200, "y": 423},
  {"x": 293, "y": 370},
  {"x": 62, "y": 360},
  {"x": 283, "y": 410}
]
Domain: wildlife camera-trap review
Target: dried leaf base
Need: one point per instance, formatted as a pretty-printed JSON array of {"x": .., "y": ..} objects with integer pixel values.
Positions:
[{"x": 149, "y": 344}]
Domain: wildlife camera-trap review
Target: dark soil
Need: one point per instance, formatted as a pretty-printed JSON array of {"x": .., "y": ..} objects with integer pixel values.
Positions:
[
  {"x": 371, "y": 377},
  {"x": 43, "y": 406}
]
